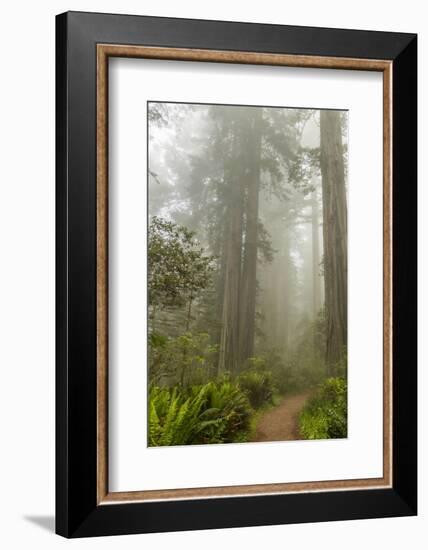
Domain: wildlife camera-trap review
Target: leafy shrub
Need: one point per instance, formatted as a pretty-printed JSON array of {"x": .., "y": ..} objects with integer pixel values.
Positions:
[
  {"x": 178, "y": 267},
  {"x": 213, "y": 413},
  {"x": 282, "y": 373},
  {"x": 341, "y": 366},
  {"x": 326, "y": 414},
  {"x": 303, "y": 365},
  {"x": 227, "y": 401},
  {"x": 173, "y": 419},
  {"x": 185, "y": 360},
  {"x": 258, "y": 386}
]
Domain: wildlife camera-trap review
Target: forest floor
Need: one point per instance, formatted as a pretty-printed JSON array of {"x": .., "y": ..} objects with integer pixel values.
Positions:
[{"x": 281, "y": 422}]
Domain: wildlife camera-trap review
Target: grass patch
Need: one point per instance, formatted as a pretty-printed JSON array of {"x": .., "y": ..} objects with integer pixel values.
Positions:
[{"x": 325, "y": 416}]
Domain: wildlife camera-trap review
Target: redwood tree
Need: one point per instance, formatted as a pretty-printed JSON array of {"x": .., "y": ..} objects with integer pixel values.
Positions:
[
  {"x": 249, "y": 271},
  {"x": 334, "y": 235}
]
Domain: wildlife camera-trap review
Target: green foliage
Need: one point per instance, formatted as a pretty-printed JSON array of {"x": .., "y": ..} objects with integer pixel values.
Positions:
[
  {"x": 257, "y": 384},
  {"x": 225, "y": 401},
  {"x": 340, "y": 369},
  {"x": 187, "y": 359},
  {"x": 301, "y": 373},
  {"x": 178, "y": 266},
  {"x": 174, "y": 419},
  {"x": 305, "y": 366},
  {"x": 326, "y": 414},
  {"x": 279, "y": 370},
  {"x": 217, "y": 412},
  {"x": 303, "y": 168}
]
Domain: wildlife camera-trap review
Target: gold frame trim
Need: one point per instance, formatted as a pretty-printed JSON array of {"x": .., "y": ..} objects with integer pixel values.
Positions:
[{"x": 104, "y": 51}]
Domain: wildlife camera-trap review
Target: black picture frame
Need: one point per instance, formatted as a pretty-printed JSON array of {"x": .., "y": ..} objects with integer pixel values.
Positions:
[{"x": 77, "y": 511}]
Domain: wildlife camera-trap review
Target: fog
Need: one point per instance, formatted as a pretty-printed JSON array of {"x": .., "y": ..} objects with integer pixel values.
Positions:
[{"x": 247, "y": 244}]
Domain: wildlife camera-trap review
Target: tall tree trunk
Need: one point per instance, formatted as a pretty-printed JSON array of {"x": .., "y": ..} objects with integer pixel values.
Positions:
[
  {"x": 316, "y": 282},
  {"x": 334, "y": 235},
  {"x": 249, "y": 271},
  {"x": 284, "y": 296},
  {"x": 221, "y": 251},
  {"x": 189, "y": 313},
  {"x": 229, "y": 338},
  {"x": 229, "y": 333},
  {"x": 272, "y": 308}
]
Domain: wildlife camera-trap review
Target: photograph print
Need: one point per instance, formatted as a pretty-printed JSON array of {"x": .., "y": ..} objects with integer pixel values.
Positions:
[{"x": 247, "y": 274}]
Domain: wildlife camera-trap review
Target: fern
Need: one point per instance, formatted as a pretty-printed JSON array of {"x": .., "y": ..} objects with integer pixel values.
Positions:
[
  {"x": 258, "y": 386},
  {"x": 325, "y": 416},
  {"x": 212, "y": 413}
]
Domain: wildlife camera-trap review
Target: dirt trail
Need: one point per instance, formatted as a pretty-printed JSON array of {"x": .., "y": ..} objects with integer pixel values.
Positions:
[{"x": 281, "y": 422}]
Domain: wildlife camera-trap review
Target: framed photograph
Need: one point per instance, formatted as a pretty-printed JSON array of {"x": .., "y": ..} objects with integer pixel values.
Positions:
[{"x": 236, "y": 274}]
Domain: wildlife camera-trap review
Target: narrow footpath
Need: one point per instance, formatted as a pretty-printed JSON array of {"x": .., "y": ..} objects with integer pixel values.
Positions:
[{"x": 281, "y": 422}]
